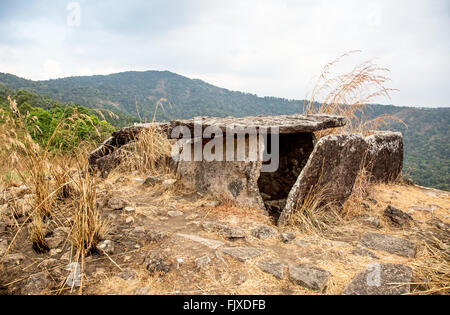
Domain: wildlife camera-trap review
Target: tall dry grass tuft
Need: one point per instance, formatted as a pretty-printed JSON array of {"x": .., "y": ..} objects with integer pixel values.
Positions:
[
  {"x": 88, "y": 226},
  {"x": 38, "y": 231},
  {"x": 315, "y": 215},
  {"x": 150, "y": 152},
  {"x": 432, "y": 269},
  {"x": 348, "y": 95},
  {"x": 49, "y": 177},
  {"x": 62, "y": 177}
]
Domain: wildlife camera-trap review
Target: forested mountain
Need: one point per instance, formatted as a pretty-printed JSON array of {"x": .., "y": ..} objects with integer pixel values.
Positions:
[
  {"x": 184, "y": 97},
  {"x": 128, "y": 94}
]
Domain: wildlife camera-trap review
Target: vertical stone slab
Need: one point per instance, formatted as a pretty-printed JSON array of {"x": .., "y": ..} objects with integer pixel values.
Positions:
[
  {"x": 384, "y": 159},
  {"x": 332, "y": 168},
  {"x": 233, "y": 180}
]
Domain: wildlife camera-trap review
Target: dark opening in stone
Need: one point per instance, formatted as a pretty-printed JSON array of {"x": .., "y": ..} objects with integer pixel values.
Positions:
[{"x": 294, "y": 151}]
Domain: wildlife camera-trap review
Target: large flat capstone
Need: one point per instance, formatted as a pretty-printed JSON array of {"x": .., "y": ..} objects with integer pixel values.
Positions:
[{"x": 285, "y": 123}]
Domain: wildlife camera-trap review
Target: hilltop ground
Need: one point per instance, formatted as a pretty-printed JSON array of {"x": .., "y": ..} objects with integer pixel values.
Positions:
[{"x": 160, "y": 235}]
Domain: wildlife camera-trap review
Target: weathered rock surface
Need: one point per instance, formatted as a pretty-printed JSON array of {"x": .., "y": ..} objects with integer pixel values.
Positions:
[
  {"x": 287, "y": 237},
  {"x": 389, "y": 243},
  {"x": 231, "y": 232},
  {"x": 332, "y": 169},
  {"x": 309, "y": 277},
  {"x": 14, "y": 259},
  {"x": 108, "y": 163},
  {"x": 264, "y": 232},
  {"x": 372, "y": 221},
  {"x": 384, "y": 158},
  {"x": 381, "y": 279},
  {"x": 361, "y": 251},
  {"x": 237, "y": 181},
  {"x": 37, "y": 283},
  {"x": 397, "y": 217},
  {"x": 156, "y": 261},
  {"x": 202, "y": 262},
  {"x": 213, "y": 244},
  {"x": 106, "y": 246},
  {"x": 244, "y": 253},
  {"x": 275, "y": 268},
  {"x": 152, "y": 180},
  {"x": 285, "y": 123},
  {"x": 115, "y": 203},
  {"x": 156, "y": 236}
]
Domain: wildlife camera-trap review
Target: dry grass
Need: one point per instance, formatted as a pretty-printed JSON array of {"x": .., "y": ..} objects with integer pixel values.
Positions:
[
  {"x": 432, "y": 269},
  {"x": 88, "y": 227},
  {"x": 150, "y": 153},
  {"x": 348, "y": 95},
  {"x": 50, "y": 177}
]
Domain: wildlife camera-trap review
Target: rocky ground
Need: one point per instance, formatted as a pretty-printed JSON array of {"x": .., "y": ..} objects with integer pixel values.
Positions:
[{"x": 164, "y": 240}]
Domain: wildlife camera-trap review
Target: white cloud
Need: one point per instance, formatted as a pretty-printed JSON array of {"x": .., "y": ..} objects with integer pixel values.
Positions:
[{"x": 265, "y": 47}]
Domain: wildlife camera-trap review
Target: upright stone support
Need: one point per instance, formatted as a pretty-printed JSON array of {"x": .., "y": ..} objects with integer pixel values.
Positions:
[
  {"x": 384, "y": 159},
  {"x": 331, "y": 171}
]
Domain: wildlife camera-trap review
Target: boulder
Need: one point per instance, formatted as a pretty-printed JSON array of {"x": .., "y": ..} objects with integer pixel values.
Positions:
[
  {"x": 273, "y": 267},
  {"x": 264, "y": 232},
  {"x": 384, "y": 159},
  {"x": 106, "y": 164},
  {"x": 287, "y": 237},
  {"x": 115, "y": 203},
  {"x": 152, "y": 180},
  {"x": 37, "y": 283},
  {"x": 156, "y": 236},
  {"x": 397, "y": 217},
  {"x": 231, "y": 232},
  {"x": 106, "y": 246},
  {"x": 156, "y": 261},
  {"x": 389, "y": 243},
  {"x": 331, "y": 171},
  {"x": 361, "y": 251},
  {"x": 381, "y": 279},
  {"x": 310, "y": 277}
]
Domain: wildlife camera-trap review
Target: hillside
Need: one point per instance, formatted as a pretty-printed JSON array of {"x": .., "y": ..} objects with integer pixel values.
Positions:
[
  {"x": 426, "y": 138},
  {"x": 186, "y": 97}
]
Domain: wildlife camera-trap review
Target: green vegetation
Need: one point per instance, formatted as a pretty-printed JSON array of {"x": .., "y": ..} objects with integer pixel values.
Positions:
[
  {"x": 77, "y": 124},
  {"x": 131, "y": 93}
]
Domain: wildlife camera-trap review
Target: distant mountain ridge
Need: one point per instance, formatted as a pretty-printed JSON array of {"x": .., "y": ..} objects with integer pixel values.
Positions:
[
  {"x": 185, "y": 97},
  {"x": 427, "y": 155}
]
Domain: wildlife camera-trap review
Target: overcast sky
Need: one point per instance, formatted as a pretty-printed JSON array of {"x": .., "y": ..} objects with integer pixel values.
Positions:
[{"x": 270, "y": 48}]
